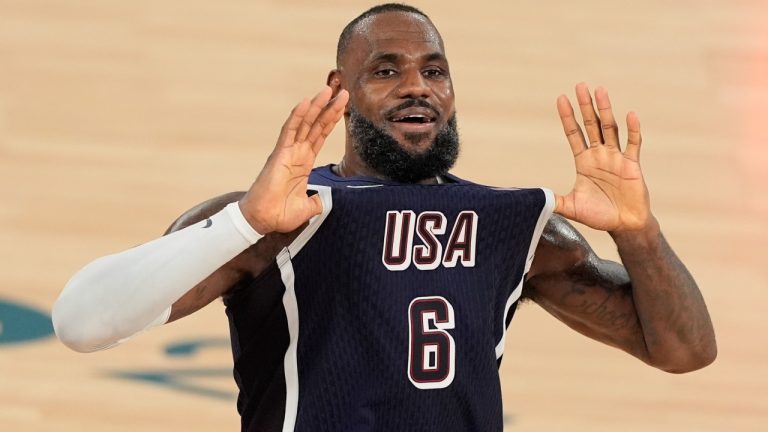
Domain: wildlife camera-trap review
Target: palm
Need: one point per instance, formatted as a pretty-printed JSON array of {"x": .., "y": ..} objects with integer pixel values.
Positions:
[
  {"x": 283, "y": 187},
  {"x": 609, "y": 193},
  {"x": 277, "y": 200}
]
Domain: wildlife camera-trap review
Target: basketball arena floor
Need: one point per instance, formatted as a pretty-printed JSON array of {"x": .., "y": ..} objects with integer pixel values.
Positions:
[{"x": 116, "y": 116}]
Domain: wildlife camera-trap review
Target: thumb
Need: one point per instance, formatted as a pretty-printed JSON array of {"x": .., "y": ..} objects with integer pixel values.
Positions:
[
  {"x": 315, "y": 205},
  {"x": 564, "y": 207}
]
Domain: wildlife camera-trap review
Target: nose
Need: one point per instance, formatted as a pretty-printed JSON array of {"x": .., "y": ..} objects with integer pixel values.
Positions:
[{"x": 413, "y": 85}]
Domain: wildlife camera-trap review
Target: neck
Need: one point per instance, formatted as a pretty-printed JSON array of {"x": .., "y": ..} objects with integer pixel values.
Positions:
[{"x": 347, "y": 169}]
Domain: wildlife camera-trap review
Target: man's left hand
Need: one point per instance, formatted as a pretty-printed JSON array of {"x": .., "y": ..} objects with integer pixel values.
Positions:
[{"x": 610, "y": 193}]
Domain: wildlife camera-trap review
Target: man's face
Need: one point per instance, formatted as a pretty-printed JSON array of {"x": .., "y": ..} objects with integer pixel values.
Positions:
[{"x": 398, "y": 78}]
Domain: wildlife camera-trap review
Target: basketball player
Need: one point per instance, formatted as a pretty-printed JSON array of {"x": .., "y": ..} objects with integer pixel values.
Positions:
[{"x": 374, "y": 294}]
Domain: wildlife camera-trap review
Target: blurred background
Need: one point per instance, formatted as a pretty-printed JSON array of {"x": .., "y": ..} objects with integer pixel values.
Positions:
[{"x": 117, "y": 116}]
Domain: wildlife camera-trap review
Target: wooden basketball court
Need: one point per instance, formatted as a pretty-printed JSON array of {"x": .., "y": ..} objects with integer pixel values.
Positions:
[{"x": 116, "y": 116}]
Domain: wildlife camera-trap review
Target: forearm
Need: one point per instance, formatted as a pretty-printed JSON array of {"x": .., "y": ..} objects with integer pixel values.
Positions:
[
  {"x": 120, "y": 295},
  {"x": 675, "y": 323}
]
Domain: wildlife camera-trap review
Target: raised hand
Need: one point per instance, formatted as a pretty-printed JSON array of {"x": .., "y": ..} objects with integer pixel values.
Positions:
[
  {"x": 277, "y": 200},
  {"x": 610, "y": 193}
]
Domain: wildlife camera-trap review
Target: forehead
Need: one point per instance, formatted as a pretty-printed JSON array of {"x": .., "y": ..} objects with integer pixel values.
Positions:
[{"x": 394, "y": 32}]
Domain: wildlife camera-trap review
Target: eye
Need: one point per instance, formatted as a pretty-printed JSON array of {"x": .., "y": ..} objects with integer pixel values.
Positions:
[
  {"x": 383, "y": 73},
  {"x": 434, "y": 73}
]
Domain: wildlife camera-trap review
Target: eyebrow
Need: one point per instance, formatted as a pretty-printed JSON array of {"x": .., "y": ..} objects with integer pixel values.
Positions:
[
  {"x": 385, "y": 57},
  {"x": 436, "y": 56},
  {"x": 393, "y": 57}
]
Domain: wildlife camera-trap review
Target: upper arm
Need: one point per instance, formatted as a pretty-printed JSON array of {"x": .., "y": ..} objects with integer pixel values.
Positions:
[
  {"x": 220, "y": 281},
  {"x": 591, "y": 295}
]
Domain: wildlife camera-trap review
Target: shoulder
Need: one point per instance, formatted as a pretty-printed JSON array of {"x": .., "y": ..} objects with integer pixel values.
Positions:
[{"x": 204, "y": 210}]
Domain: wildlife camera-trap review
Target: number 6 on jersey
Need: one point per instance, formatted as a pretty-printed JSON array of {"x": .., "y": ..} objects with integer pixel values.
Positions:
[{"x": 431, "y": 351}]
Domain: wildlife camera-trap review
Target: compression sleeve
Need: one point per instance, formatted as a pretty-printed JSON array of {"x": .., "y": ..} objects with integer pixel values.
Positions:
[{"x": 120, "y": 295}]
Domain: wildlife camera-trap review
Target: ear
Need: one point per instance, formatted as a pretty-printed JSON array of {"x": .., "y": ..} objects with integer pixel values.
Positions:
[{"x": 334, "y": 81}]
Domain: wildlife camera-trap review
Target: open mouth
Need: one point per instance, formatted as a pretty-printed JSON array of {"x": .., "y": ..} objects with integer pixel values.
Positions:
[{"x": 413, "y": 118}]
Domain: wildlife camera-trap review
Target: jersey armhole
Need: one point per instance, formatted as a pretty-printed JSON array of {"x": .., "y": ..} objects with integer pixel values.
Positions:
[{"x": 544, "y": 215}]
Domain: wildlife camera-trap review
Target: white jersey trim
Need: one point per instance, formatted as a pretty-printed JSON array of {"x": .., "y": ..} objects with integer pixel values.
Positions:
[
  {"x": 546, "y": 212},
  {"x": 290, "y": 304},
  {"x": 326, "y": 197},
  {"x": 365, "y": 186},
  {"x": 290, "y": 364}
]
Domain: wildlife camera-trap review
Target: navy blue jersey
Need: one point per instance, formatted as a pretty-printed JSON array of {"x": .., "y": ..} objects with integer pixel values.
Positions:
[{"x": 388, "y": 312}]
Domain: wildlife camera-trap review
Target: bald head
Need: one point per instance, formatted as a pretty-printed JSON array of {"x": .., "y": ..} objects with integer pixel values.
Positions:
[{"x": 363, "y": 21}]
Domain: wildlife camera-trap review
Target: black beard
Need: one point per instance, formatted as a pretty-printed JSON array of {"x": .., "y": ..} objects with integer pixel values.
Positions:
[{"x": 382, "y": 153}]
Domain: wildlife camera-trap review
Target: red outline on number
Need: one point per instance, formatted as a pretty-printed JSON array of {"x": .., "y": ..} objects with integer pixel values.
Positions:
[{"x": 437, "y": 331}]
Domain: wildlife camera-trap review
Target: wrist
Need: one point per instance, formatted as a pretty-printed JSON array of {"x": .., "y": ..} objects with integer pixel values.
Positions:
[
  {"x": 250, "y": 228},
  {"x": 646, "y": 236}
]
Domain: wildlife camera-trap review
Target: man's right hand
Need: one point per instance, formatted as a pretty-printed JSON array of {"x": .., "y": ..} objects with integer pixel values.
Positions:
[{"x": 277, "y": 200}]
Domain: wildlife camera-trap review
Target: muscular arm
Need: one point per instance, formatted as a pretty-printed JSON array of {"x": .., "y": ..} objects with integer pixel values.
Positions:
[
  {"x": 118, "y": 296},
  {"x": 650, "y": 307}
]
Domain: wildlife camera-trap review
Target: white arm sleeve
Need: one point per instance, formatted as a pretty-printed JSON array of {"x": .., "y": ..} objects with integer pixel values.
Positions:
[{"x": 118, "y": 296}]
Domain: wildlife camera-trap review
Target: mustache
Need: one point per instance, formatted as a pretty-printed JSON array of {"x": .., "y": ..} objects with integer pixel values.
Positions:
[{"x": 410, "y": 103}]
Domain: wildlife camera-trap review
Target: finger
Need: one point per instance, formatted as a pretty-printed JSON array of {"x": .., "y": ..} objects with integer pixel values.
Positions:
[
  {"x": 318, "y": 103},
  {"x": 292, "y": 123},
  {"x": 634, "y": 139},
  {"x": 588, "y": 114},
  {"x": 610, "y": 129},
  {"x": 319, "y": 135},
  {"x": 570, "y": 125},
  {"x": 327, "y": 120}
]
